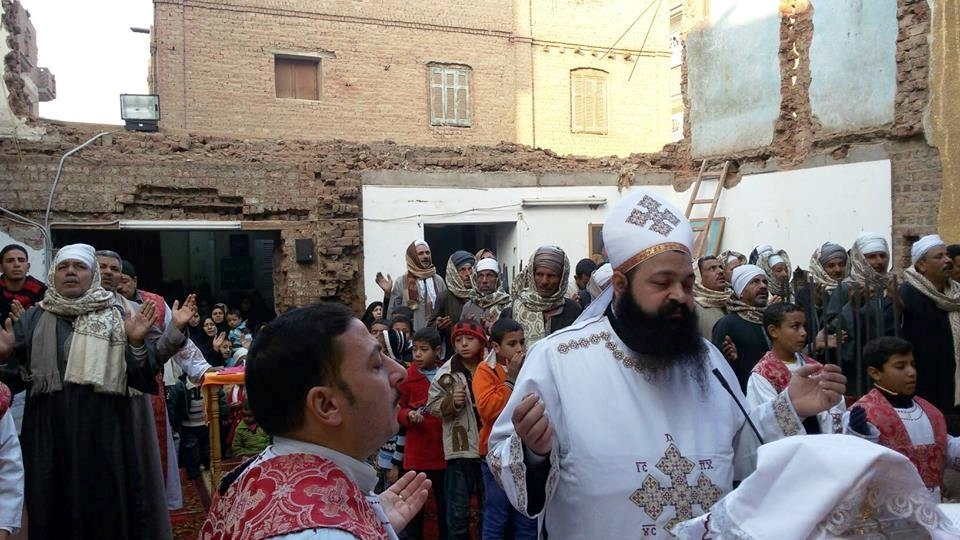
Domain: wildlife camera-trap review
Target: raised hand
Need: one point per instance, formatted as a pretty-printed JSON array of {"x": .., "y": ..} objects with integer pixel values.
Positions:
[
  {"x": 385, "y": 282},
  {"x": 138, "y": 324},
  {"x": 816, "y": 388},
  {"x": 181, "y": 314},
  {"x": 514, "y": 365},
  {"x": 7, "y": 338},
  {"x": 532, "y": 425},
  {"x": 402, "y": 500},
  {"x": 218, "y": 341},
  {"x": 16, "y": 310}
]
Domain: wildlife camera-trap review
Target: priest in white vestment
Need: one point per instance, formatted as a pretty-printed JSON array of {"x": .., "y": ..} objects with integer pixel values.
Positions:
[{"x": 617, "y": 427}]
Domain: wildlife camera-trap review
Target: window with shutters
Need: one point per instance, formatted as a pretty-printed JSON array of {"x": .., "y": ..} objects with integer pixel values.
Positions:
[
  {"x": 450, "y": 95},
  {"x": 588, "y": 101},
  {"x": 297, "y": 77}
]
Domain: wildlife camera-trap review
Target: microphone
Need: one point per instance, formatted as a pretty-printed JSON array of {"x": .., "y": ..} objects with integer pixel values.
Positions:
[{"x": 726, "y": 386}]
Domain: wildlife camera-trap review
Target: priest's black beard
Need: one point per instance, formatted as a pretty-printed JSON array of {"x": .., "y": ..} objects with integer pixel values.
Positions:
[{"x": 661, "y": 342}]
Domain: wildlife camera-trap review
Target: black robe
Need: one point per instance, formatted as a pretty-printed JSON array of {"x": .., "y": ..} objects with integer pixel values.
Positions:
[
  {"x": 91, "y": 460},
  {"x": 927, "y": 328},
  {"x": 751, "y": 342}
]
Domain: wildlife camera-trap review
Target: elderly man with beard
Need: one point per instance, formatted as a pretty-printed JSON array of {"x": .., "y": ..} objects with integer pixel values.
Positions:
[
  {"x": 862, "y": 305},
  {"x": 711, "y": 294},
  {"x": 488, "y": 300},
  {"x": 616, "y": 427},
  {"x": 540, "y": 304},
  {"x": 85, "y": 364},
  {"x": 739, "y": 334},
  {"x": 931, "y": 321},
  {"x": 419, "y": 288}
]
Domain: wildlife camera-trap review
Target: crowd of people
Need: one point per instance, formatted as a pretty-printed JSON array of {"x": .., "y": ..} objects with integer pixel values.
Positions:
[
  {"x": 100, "y": 398},
  {"x": 627, "y": 398}
]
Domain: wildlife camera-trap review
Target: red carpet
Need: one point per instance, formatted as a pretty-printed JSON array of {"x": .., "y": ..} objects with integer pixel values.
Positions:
[{"x": 188, "y": 520}]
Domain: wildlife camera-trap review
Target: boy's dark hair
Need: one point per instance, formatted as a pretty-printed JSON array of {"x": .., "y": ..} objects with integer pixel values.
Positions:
[
  {"x": 503, "y": 327},
  {"x": 386, "y": 322},
  {"x": 401, "y": 318},
  {"x": 876, "y": 352},
  {"x": 294, "y": 353},
  {"x": 585, "y": 267},
  {"x": 235, "y": 312},
  {"x": 775, "y": 314},
  {"x": 404, "y": 311},
  {"x": 13, "y": 247},
  {"x": 428, "y": 335},
  {"x": 953, "y": 250}
]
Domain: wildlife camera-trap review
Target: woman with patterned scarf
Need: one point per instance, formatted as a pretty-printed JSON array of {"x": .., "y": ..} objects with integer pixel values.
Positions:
[
  {"x": 540, "y": 303},
  {"x": 84, "y": 365}
]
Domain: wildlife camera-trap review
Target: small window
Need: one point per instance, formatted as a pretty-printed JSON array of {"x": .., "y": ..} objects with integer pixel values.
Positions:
[
  {"x": 450, "y": 95},
  {"x": 588, "y": 101},
  {"x": 297, "y": 78}
]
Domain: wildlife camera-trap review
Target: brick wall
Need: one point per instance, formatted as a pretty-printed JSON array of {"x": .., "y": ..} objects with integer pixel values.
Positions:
[{"x": 216, "y": 71}]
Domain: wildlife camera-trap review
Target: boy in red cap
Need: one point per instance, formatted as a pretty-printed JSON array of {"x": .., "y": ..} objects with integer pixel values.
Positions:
[{"x": 451, "y": 398}]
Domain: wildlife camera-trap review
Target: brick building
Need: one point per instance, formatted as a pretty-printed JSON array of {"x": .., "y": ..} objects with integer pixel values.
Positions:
[
  {"x": 547, "y": 74},
  {"x": 132, "y": 188}
]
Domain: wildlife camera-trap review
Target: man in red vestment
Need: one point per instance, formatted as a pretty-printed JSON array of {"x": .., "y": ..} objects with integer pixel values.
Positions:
[{"x": 321, "y": 386}]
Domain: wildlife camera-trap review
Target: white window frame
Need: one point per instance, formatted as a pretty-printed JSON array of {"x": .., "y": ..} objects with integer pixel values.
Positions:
[{"x": 443, "y": 70}]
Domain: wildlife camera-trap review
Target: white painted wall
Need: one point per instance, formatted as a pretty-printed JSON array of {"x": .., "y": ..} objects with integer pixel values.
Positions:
[{"x": 793, "y": 210}]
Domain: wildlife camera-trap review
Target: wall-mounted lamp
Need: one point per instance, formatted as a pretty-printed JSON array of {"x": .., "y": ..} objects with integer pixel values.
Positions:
[{"x": 140, "y": 112}]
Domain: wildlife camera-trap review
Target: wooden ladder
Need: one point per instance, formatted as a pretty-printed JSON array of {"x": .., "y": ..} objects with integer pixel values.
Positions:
[{"x": 705, "y": 173}]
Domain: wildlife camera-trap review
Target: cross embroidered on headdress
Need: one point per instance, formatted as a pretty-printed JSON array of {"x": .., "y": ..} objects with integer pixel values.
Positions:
[{"x": 663, "y": 220}]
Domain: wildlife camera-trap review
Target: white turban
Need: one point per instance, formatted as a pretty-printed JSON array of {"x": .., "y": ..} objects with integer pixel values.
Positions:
[
  {"x": 775, "y": 260},
  {"x": 77, "y": 252},
  {"x": 923, "y": 245},
  {"x": 639, "y": 227},
  {"x": 763, "y": 249},
  {"x": 599, "y": 280},
  {"x": 487, "y": 264},
  {"x": 742, "y": 276},
  {"x": 419, "y": 243},
  {"x": 868, "y": 242}
]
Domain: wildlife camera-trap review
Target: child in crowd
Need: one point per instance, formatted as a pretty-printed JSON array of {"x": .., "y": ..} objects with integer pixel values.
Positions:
[
  {"x": 249, "y": 439},
  {"x": 388, "y": 459},
  {"x": 194, "y": 439},
  {"x": 900, "y": 420},
  {"x": 451, "y": 399},
  {"x": 238, "y": 327},
  {"x": 423, "y": 444},
  {"x": 404, "y": 325},
  {"x": 492, "y": 386},
  {"x": 785, "y": 325}
]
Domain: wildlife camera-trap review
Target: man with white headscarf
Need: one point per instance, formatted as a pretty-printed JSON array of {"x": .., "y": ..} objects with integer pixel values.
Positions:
[
  {"x": 85, "y": 364},
  {"x": 488, "y": 299},
  {"x": 540, "y": 302},
  {"x": 419, "y": 288},
  {"x": 931, "y": 321},
  {"x": 861, "y": 306},
  {"x": 739, "y": 334},
  {"x": 616, "y": 427}
]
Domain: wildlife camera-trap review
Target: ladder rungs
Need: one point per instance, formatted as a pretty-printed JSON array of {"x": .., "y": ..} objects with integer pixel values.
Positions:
[{"x": 701, "y": 201}]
